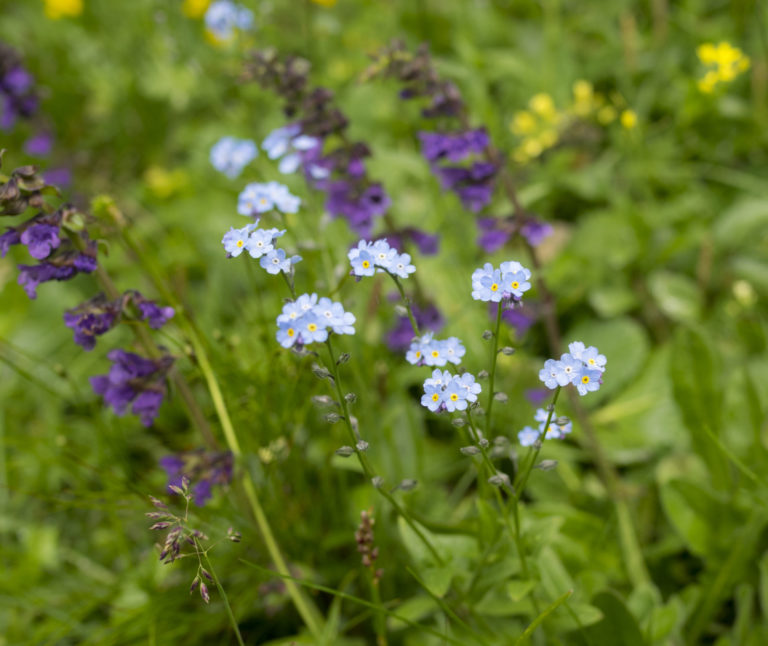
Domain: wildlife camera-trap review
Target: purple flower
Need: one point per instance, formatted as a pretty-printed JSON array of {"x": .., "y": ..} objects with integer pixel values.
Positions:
[
  {"x": 155, "y": 315},
  {"x": 133, "y": 378},
  {"x": 61, "y": 266},
  {"x": 452, "y": 146},
  {"x": 493, "y": 234},
  {"x": 518, "y": 317},
  {"x": 58, "y": 176},
  {"x": 536, "y": 395},
  {"x": 41, "y": 239},
  {"x": 535, "y": 231},
  {"x": 8, "y": 239},
  {"x": 39, "y": 145},
  {"x": 17, "y": 80},
  {"x": 91, "y": 319},
  {"x": 359, "y": 208}
]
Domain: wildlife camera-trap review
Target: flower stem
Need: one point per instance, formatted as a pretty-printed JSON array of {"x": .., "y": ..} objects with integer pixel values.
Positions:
[
  {"x": 492, "y": 374},
  {"x": 525, "y": 472},
  {"x": 223, "y": 594},
  {"x": 407, "y": 304},
  {"x": 365, "y": 463}
]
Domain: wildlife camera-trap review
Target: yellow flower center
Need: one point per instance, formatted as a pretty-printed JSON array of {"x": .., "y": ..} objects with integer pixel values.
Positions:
[
  {"x": 585, "y": 379},
  {"x": 454, "y": 397},
  {"x": 312, "y": 327},
  {"x": 290, "y": 331},
  {"x": 366, "y": 264},
  {"x": 435, "y": 397},
  {"x": 240, "y": 243},
  {"x": 418, "y": 354},
  {"x": 435, "y": 354},
  {"x": 515, "y": 284},
  {"x": 494, "y": 287},
  {"x": 591, "y": 362}
]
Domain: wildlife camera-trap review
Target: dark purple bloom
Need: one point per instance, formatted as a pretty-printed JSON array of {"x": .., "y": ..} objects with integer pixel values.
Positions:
[
  {"x": 493, "y": 234},
  {"x": 8, "y": 239},
  {"x": 519, "y": 318},
  {"x": 133, "y": 378},
  {"x": 155, "y": 315},
  {"x": 202, "y": 468},
  {"x": 17, "y": 80},
  {"x": 30, "y": 276},
  {"x": 452, "y": 146},
  {"x": 91, "y": 319},
  {"x": 535, "y": 231},
  {"x": 39, "y": 145},
  {"x": 359, "y": 208},
  {"x": 7, "y": 112},
  {"x": 427, "y": 318},
  {"x": 41, "y": 239},
  {"x": 427, "y": 243}
]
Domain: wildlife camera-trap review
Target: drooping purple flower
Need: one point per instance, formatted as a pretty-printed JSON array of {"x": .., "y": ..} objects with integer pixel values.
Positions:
[
  {"x": 91, "y": 319},
  {"x": 8, "y": 239},
  {"x": 155, "y": 315},
  {"x": 535, "y": 231},
  {"x": 359, "y": 208},
  {"x": 39, "y": 145},
  {"x": 61, "y": 266},
  {"x": 494, "y": 234},
  {"x": 134, "y": 379},
  {"x": 41, "y": 239},
  {"x": 453, "y": 146},
  {"x": 473, "y": 184},
  {"x": 203, "y": 469}
]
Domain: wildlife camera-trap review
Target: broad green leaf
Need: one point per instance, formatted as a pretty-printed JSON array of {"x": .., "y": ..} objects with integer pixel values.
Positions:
[
  {"x": 554, "y": 577},
  {"x": 740, "y": 224},
  {"x": 617, "y": 626},
  {"x": 677, "y": 295},
  {"x": 519, "y": 589},
  {"x": 415, "y": 608}
]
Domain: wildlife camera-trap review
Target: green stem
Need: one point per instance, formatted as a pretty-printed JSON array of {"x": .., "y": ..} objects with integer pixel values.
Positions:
[
  {"x": 379, "y": 620},
  {"x": 223, "y": 594},
  {"x": 363, "y": 458},
  {"x": 289, "y": 282},
  {"x": 522, "y": 478},
  {"x": 407, "y": 303},
  {"x": 492, "y": 374}
]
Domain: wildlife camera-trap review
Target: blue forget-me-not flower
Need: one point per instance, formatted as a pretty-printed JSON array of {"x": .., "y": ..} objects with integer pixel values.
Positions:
[{"x": 230, "y": 155}]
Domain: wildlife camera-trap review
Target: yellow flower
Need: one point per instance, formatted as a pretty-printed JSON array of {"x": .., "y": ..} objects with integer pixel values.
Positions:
[
  {"x": 163, "y": 183},
  {"x": 325, "y": 3},
  {"x": 725, "y": 61},
  {"x": 583, "y": 98},
  {"x": 548, "y": 138},
  {"x": 628, "y": 119},
  {"x": 543, "y": 105},
  {"x": 56, "y": 9},
  {"x": 606, "y": 115},
  {"x": 532, "y": 147},
  {"x": 195, "y": 8},
  {"x": 523, "y": 123}
]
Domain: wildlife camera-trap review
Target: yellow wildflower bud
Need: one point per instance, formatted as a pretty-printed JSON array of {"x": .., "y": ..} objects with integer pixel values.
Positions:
[
  {"x": 606, "y": 115},
  {"x": 628, "y": 119},
  {"x": 195, "y": 8},
  {"x": 55, "y": 9},
  {"x": 523, "y": 123},
  {"x": 543, "y": 105}
]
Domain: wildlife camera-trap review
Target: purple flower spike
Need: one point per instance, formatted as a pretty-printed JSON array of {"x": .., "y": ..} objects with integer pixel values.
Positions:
[
  {"x": 7, "y": 240},
  {"x": 535, "y": 231},
  {"x": 155, "y": 315},
  {"x": 133, "y": 378},
  {"x": 39, "y": 145},
  {"x": 91, "y": 319}
]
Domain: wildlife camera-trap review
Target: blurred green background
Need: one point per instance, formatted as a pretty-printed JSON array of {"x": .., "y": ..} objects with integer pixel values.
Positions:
[{"x": 656, "y": 186}]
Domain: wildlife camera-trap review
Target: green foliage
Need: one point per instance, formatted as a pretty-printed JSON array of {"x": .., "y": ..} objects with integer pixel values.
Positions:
[{"x": 652, "y": 527}]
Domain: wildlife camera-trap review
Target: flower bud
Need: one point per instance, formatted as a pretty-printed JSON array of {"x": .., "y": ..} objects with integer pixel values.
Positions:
[
  {"x": 322, "y": 401},
  {"x": 345, "y": 451},
  {"x": 351, "y": 398},
  {"x": 332, "y": 418},
  {"x": 562, "y": 421},
  {"x": 483, "y": 374},
  {"x": 343, "y": 358},
  {"x": 499, "y": 480},
  {"x": 469, "y": 450},
  {"x": 362, "y": 445},
  {"x": 507, "y": 351},
  {"x": 377, "y": 482},
  {"x": 487, "y": 334},
  {"x": 501, "y": 397},
  {"x": 458, "y": 422},
  {"x": 204, "y": 593},
  {"x": 408, "y": 484},
  {"x": 546, "y": 465}
]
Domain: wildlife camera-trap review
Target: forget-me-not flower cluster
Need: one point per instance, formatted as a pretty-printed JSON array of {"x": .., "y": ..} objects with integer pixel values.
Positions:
[
  {"x": 230, "y": 155},
  {"x": 583, "y": 367},
  {"x": 368, "y": 258},
  {"x": 308, "y": 319},
  {"x": 444, "y": 391},
  {"x": 428, "y": 351},
  {"x": 223, "y": 17},
  {"x": 259, "y": 243},
  {"x": 555, "y": 430},
  {"x": 508, "y": 282},
  {"x": 293, "y": 149},
  {"x": 258, "y": 198}
]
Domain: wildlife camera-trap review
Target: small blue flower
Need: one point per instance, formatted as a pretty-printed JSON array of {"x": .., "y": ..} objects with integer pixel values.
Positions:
[
  {"x": 588, "y": 380},
  {"x": 287, "y": 333},
  {"x": 382, "y": 253},
  {"x": 415, "y": 354},
  {"x": 506, "y": 283},
  {"x": 401, "y": 266},
  {"x": 236, "y": 240},
  {"x": 589, "y": 356},
  {"x": 261, "y": 241},
  {"x": 282, "y": 198},
  {"x": 488, "y": 286},
  {"x": 255, "y": 198},
  {"x": 555, "y": 430},
  {"x": 311, "y": 329},
  {"x": 275, "y": 261},
  {"x": 224, "y": 16},
  {"x": 455, "y": 396},
  {"x": 570, "y": 367},
  {"x": 515, "y": 283},
  {"x": 334, "y": 316},
  {"x": 439, "y": 378},
  {"x": 362, "y": 260},
  {"x": 230, "y": 155},
  {"x": 468, "y": 383},
  {"x": 453, "y": 350},
  {"x": 553, "y": 375},
  {"x": 528, "y": 436},
  {"x": 432, "y": 397},
  {"x": 277, "y": 142}
]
